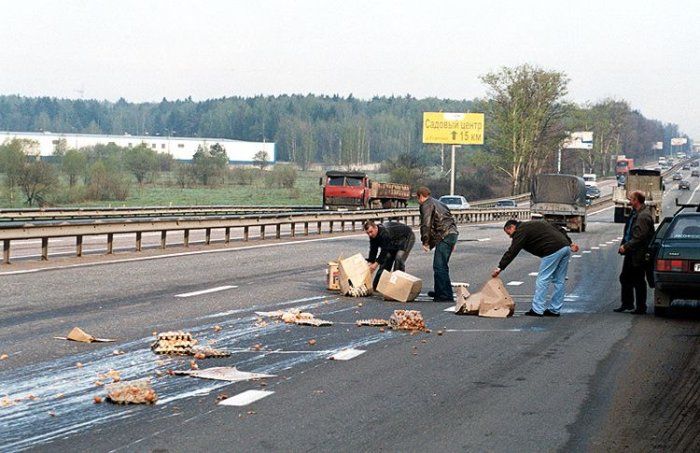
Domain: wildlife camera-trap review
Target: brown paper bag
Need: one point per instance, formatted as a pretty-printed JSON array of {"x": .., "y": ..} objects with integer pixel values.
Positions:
[{"x": 465, "y": 303}]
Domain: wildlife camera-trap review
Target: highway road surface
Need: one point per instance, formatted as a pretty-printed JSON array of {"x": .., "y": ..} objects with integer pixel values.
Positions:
[{"x": 589, "y": 380}]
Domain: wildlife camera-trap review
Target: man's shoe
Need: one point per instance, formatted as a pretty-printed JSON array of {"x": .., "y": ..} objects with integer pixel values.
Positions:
[
  {"x": 531, "y": 312},
  {"x": 431, "y": 293},
  {"x": 622, "y": 309},
  {"x": 550, "y": 313},
  {"x": 639, "y": 312}
]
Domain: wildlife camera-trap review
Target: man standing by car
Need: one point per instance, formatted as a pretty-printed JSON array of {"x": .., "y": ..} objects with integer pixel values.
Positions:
[
  {"x": 439, "y": 231},
  {"x": 395, "y": 241},
  {"x": 554, "y": 246},
  {"x": 639, "y": 229}
]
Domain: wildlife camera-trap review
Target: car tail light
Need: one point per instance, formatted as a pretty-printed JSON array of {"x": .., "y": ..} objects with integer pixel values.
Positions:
[{"x": 672, "y": 265}]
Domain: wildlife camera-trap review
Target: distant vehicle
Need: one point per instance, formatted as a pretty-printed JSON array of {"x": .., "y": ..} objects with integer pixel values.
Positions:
[
  {"x": 695, "y": 173},
  {"x": 677, "y": 176},
  {"x": 675, "y": 254},
  {"x": 684, "y": 185},
  {"x": 590, "y": 179},
  {"x": 354, "y": 190},
  {"x": 592, "y": 192},
  {"x": 695, "y": 163},
  {"x": 506, "y": 204},
  {"x": 685, "y": 167},
  {"x": 559, "y": 199},
  {"x": 623, "y": 165},
  {"x": 455, "y": 201},
  {"x": 665, "y": 166}
]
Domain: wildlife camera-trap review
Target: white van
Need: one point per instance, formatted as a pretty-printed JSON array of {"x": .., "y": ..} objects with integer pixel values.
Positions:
[{"x": 590, "y": 179}]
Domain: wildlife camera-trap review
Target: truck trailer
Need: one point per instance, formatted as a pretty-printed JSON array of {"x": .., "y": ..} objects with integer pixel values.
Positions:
[
  {"x": 559, "y": 199},
  {"x": 344, "y": 190},
  {"x": 650, "y": 183}
]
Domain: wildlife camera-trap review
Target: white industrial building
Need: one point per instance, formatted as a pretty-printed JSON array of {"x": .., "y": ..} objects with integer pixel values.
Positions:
[{"x": 181, "y": 148}]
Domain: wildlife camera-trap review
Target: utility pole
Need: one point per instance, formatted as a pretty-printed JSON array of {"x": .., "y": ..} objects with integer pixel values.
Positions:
[{"x": 452, "y": 171}]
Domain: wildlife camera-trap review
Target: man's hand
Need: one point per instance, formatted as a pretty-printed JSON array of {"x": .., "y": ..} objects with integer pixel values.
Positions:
[
  {"x": 574, "y": 247},
  {"x": 426, "y": 248},
  {"x": 373, "y": 266},
  {"x": 495, "y": 272},
  {"x": 621, "y": 250}
]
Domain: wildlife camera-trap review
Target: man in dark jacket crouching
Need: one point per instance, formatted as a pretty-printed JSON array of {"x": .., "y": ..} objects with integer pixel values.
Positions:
[{"x": 395, "y": 241}]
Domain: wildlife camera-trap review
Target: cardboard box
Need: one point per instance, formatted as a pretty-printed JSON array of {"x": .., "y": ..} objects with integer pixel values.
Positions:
[
  {"x": 399, "y": 286},
  {"x": 333, "y": 276},
  {"x": 494, "y": 300},
  {"x": 464, "y": 304},
  {"x": 355, "y": 276}
]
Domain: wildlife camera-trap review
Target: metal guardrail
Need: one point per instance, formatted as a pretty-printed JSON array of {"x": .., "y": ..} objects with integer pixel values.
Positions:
[{"x": 80, "y": 229}]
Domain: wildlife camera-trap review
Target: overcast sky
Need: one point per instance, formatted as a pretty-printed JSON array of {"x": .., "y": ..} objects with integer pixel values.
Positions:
[{"x": 645, "y": 52}]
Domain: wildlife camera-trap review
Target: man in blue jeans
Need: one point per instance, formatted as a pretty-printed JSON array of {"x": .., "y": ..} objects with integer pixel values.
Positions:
[
  {"x": 439, "y": 231},
  {"x": 554, "y": 246}
]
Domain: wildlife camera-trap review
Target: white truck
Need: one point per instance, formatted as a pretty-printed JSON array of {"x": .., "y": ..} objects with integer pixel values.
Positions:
[{"x": 650, "y": 183}]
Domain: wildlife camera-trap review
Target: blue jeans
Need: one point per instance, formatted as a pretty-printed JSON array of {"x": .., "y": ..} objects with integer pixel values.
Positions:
[
  {"x": 441, "y": 270},
  {"x": 552, "y": 270}
]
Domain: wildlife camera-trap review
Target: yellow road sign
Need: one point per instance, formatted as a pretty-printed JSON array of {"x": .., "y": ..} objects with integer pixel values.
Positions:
[{"x": 453, "y": 128}]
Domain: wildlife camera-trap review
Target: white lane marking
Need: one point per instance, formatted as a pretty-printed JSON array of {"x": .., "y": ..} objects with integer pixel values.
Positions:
[
  {"x": 595, "y": 248},
  {"x": 602, "y": 245},
  {"x": 483, "y": 239},
  {"x": 487, "y": 330},
  {"x": 604, "y": 209},
  {"x": 514, "y": 283},
  {"x": 346, "y": 354},
  {"x": 452, "y": 309},
  {"x": 586, "y": 251},
  {"x": 533, "y": 274},
  {"x": 576, "y": 256},
  {"x": 245, "y": 398},
  {"x": 206, "y": 291}
]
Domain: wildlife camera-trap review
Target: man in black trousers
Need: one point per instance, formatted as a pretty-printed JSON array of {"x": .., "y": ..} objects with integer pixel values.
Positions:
[
  {"x": 395, "y": 241},
  {"x": 639, "y": 229}
]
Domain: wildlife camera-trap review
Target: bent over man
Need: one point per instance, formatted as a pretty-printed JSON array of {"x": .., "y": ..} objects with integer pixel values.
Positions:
[
  {"x": 639, "y": 229},
  {"x": 439, "y": 231},
  {"x": 395, "y": 241},
  {"x": 554, "y": 246}
]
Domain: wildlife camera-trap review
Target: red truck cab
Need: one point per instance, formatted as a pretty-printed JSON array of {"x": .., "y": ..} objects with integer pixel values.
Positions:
[{"x": 345, "y": 190}]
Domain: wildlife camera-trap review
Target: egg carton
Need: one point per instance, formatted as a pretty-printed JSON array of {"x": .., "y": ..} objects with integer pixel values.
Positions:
[
  {"x": 210, "y": 352},
  {"x": 372, "y": 322},
  {"x": 131, "y": 392},
  {"x": 174, "y": 343},
  {"x": 407, "y": 320}
]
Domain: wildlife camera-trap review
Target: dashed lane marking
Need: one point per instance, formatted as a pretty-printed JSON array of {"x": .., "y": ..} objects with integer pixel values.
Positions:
[
  {"x": 346, "y": 354},
  {"x": 206, "y": 291},
  {"x": 586, "y": 251},
  {"x": 533, "y": 274},
  {"x": 576, "y": 256},
  {"x": 246, "y": 398},
  {"x": 595, "y": 248},
  {"x": 514, "y": 283}
]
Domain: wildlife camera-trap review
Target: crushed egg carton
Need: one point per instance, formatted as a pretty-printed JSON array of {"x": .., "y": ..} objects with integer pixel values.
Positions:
[
  {"x": 314, "y": 322},
  {"x": 295, "y": 316},
  {"x": 359, "y": 291},
  {"x": 208, "y": 352},
  {"x": 407, "y": 320},
  {"x": 372, "y": 322},
  {"x": 174, "y": 343},
  {"x": 131, "y": 392}
]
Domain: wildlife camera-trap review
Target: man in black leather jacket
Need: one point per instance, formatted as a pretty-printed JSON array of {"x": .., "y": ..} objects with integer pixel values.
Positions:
[
  {"x": 639, "y": 229},
  {"x": 439, "y": 231},
  {"x": 395, "y": 240}
]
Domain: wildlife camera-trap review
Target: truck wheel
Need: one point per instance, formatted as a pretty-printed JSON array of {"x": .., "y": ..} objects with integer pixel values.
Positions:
[
  {"x": 619, "y": 215},
  {"x": 583, "y": 227}
]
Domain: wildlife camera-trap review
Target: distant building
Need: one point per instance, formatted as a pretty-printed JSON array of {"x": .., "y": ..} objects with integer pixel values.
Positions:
[{"x": 181, "y": 148}]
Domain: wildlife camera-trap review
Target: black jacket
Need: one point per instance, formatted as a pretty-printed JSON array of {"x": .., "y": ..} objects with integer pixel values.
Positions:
[
  {"x": 391, "y": 237},
  {"x": 436, "y": 222},
  {"x": 642, "y": 232},
  {"x": 538, "y": 237}
]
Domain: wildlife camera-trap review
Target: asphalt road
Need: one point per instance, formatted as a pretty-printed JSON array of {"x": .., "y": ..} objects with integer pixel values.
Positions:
[{"x": 589, "y": 380}]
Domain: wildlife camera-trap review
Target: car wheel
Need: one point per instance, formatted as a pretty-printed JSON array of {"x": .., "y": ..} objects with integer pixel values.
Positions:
[{"x": 662, "y": 302}]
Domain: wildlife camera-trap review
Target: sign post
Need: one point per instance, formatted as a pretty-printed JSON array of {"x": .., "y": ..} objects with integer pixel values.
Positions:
[{"x": 453, "y": 129}]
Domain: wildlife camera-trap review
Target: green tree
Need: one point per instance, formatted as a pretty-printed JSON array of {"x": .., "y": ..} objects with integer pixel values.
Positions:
[
  {"x": 141, "y": 161},
  {"x": 37, "y": 179},
  {"x": 12, "y": 159},
  {"x": 74, "y": 165},
  {"x": 261, "y": 159},
  {"x": 524, "y": 111},
  {"x": 209, "y": 163}
]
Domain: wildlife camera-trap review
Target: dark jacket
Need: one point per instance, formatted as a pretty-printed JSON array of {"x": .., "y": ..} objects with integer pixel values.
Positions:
[
  {"x": 436, "y": 222},
  {"x": 391, "y": 237},
  {"x": 538, "y": 237},
  {"x": 642, "y": 232}
]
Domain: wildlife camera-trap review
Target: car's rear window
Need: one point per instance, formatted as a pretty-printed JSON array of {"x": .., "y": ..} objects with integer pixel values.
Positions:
[
  {"x": 685, "y": 228},
  {"x": 451, "y": 200}
]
